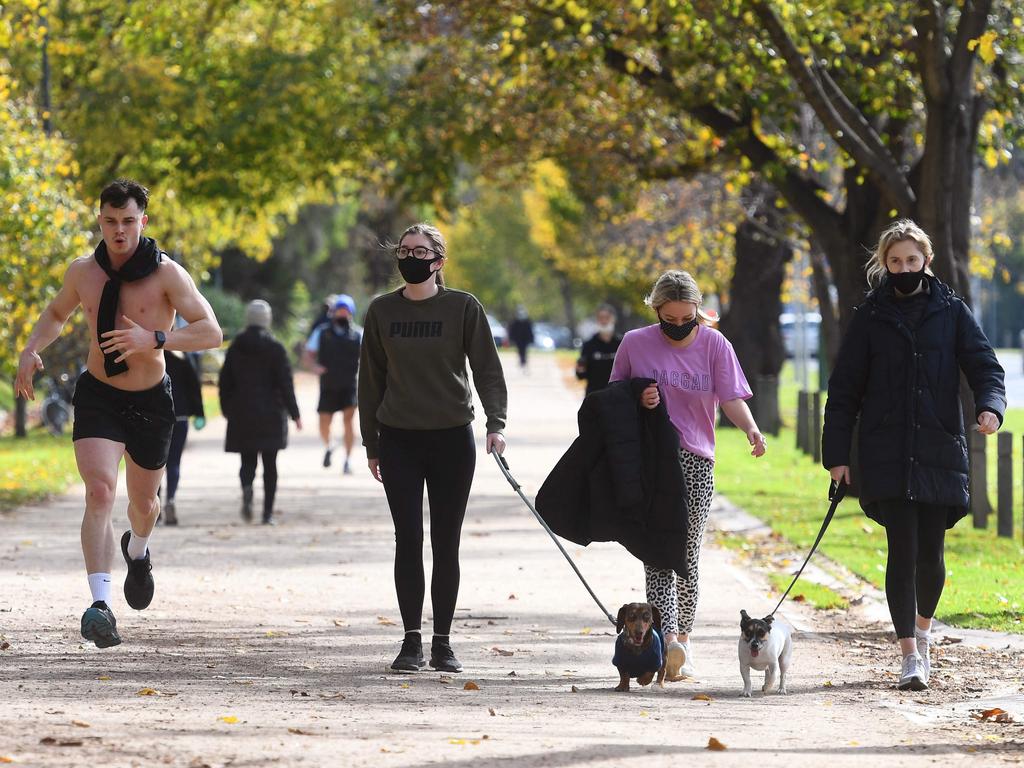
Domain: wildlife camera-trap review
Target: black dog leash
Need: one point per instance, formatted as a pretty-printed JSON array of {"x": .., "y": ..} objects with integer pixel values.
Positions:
[
  {"x": 503, "y": 466},
  {"x": 836, "y": 492}
]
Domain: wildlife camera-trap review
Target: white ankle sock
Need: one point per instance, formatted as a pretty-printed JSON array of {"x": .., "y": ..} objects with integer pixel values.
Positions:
[
  {"x": 137, "y": 546},
  {"x": 99, "y": 585},
  {"x": 924, "y": 634}
]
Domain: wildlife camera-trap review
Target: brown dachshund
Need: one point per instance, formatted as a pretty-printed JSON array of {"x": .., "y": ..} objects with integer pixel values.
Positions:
[{"x": 640, "y": 646}]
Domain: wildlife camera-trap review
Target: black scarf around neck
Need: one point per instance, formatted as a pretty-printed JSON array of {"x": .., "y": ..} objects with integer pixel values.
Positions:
[{"x": 141, "y": 264}]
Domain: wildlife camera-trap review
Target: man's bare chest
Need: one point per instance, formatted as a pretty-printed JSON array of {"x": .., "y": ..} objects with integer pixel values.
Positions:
[{"x": 144, "y": 301}]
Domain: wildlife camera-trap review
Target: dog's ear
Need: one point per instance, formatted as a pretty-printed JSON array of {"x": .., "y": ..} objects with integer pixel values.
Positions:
[
  {"x": 620, "y": 621},
  {"x": 744, "y": 618},
  {"x": 768, "y": 620},
  {"x": 657, "y": 617}
]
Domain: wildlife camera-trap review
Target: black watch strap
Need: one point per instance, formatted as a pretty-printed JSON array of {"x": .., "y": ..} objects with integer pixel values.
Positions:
[{"x": 161, "y": 339}]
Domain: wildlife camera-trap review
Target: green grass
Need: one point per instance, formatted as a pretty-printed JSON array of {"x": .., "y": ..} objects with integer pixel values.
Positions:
[
  {"x": 787, "y": 490},
  {"x": 807, "y": 591},
  {"x": 6, "y": 396},
  {"x": 35, "y": 467}
]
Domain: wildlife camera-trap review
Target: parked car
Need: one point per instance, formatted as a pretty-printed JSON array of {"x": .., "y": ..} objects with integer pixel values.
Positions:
[
  {"x": 812, "y": 329},
  {"x": 551, "y": 336},
  {"x": 498, "y": 332}
]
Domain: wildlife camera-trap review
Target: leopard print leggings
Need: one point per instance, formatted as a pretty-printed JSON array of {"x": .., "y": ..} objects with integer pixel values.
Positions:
[{"x": 675, "y": 597}]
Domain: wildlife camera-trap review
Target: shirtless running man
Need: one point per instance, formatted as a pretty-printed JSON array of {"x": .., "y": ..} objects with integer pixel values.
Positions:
[{"x": 130, "y": 292}]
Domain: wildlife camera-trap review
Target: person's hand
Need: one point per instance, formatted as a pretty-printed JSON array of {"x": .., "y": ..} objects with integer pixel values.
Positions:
[
  {"x": 128, "y": 340},
  {"x": 650, "y": 398},
  {"x": 199, "y": 422},
  {"x": 759, "y": 441},
  {"x": 374, "y": 465},
  {"x": 319, "y": 370},
  {"x": 840, "y": 474},
  {"x": 988, "y": 423},
  {"x": 28, "y": 363},
  {"x": 298, "y": 424},
  {"x": 496, "y": 442}
]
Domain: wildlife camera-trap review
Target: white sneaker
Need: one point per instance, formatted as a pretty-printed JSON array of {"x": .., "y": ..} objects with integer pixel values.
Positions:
[
  {"x": 912, "y": 675},
  {"x": 687, "y": 668},
  {"x": 924, "y": 651},
  {"x": 675, "y": 658}
]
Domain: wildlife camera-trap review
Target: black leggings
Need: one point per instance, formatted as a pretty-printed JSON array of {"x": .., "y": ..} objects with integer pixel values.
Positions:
[
  {"x": 178, "y": 437},
  {"x": 248, "y": 473},
  {"x": 445, "y": 459},
  {"x": 915, "y": 571}
]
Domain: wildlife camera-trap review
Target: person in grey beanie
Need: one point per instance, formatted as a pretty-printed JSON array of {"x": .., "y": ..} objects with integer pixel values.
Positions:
[{"x": 257, "y": 396}]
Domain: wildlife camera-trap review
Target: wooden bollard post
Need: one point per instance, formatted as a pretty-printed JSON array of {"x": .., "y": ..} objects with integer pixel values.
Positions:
[
  {"x": 1004, "y": 504},
  {"x": 980, "y": 506},
  {"x": 814, "y": 435},
  {"x": 802, "y": 408}
]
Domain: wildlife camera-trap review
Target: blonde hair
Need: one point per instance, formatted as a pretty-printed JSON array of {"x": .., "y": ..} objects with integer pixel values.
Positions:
[
  {"x": 433, "y": 234},
  {"x": 904, "y": 229},
  {"x": 676, "y": 285}
]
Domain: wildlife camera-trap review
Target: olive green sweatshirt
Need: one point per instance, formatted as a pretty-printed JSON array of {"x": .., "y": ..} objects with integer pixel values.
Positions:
[{"x": 412, "y": 366}]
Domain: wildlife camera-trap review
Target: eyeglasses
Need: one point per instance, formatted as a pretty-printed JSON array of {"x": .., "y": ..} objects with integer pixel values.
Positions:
[{"x": 419, "y": 252}]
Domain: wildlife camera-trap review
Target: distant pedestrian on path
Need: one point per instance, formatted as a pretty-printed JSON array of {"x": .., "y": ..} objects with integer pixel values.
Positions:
[
  {"x": 520, "y": 333},
  {"x": 130, "y": 293},
  {"x": 332, "y": 352},
  {"x": 257, "y": 395},
  {"x": 416, "y": 413},
  {"x": 697, "y": 371},
  {"x": 594, "y": 365},
  {"x": 899, "y": 369},
  {"x": 183, "y": 370}
]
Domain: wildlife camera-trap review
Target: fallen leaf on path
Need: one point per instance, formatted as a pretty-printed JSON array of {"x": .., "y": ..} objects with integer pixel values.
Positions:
[
  {"x": 80, "y": 724},
  {"x": 340, "y": 623},
  {"x": 332, "y": 695},
  {"x": 512, "y": 596},
  {"x": 404, "y": 685},
  {"x": 385, "y": 621},
  {"x": 295, "y": 692},
  {"x": 148, "y": 692},
  {"x": 52, "y": 742},
  {"x": 574, "y": 689},
  {"x": 300, "y": 732},
  {"x": 464, "y": 741},
  {"x": 701, "y": 697},
  {"x": 715, "y": 745},
  {"x": 444, "y": 679},
  {"x": 799, "y": 599},
  {"x": 229, "y": 719},
  {"x": 644, "y": 713},
  {"x": 995, "y": 714},
  {"x": 4, "y": 645},
  {"x": 471, "y": 686},
  {"x": 512, "y": 674},
  {"x": 502, "y": 652},
  {"x": 6, "y": 759},
  {"x": 828, "y": 684},
  {"x": 491, "y": 712},
  {"x": 103, "y": 677}
]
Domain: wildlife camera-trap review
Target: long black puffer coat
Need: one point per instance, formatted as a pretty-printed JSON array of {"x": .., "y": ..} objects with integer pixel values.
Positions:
[
  {"x": 905, "y": 385},
  {"x": 256, "y": 393},
  {"x": 621, "y": 479}
]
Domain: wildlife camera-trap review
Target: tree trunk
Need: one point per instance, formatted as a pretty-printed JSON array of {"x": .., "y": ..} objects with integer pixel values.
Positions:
[
  {"x": 20, "y": 417},
  {"x": 752, "y": 321}
]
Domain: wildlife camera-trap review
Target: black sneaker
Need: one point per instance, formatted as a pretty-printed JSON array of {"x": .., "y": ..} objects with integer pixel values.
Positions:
[
  {"x": 442, "y": 657},
  {"x": 247, "y": 503},
  {"x": 99, "y": 625},
  {"x": 410, "y": 658},
  {"x": 268, "y": 518},
  {"x": 327, "y": 457},
  {"x": 138, "y": 584}
]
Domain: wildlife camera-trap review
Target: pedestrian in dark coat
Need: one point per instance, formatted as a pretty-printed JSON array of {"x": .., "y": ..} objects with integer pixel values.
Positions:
[
  {"x": 186, "y": 390},
  {"x": 898, "y": 369},
  {"x": 257, "y": 396},
  {"x": 620, "y": 480}
]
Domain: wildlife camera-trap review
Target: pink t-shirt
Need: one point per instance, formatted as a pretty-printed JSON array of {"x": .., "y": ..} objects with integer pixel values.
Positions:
[{"x": 692, "y": 381}]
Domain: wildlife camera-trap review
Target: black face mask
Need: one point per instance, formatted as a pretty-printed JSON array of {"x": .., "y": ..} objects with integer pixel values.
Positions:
[
  {"x": 415, "y": 271},
  {"x": 341, "y": 322},
  {"x": 906, "y": 282},
  {"x": 678, "y": 332}
]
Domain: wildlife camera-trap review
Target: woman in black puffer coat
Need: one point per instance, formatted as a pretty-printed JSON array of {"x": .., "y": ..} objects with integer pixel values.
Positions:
[
  {"x": 899, "y": 369},
  {"x": 257, "y": 396}
]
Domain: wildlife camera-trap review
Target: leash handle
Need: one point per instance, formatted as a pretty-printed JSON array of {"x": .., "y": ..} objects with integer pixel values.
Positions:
[
  {"x": 503, "y": 466},
  {"x": 836, "y": 493}
]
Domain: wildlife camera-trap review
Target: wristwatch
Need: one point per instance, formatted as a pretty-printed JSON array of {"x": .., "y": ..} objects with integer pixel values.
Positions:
[{"x": 161, "y": 339}]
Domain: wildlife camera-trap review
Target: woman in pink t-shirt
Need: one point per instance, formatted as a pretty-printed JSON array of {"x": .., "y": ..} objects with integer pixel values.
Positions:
[{"x": 696, "y": 370}]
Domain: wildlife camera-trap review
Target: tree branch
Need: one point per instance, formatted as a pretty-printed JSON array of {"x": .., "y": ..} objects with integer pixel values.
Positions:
[
  {"x": 930, "y": 25},
  {"x": 973, "y": 20},
  {"x": 855, "y": 136}
]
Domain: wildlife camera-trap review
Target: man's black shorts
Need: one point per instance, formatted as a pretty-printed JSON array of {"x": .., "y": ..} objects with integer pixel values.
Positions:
[
  {"x": 334, "y": 400},
  {"x": 143, "y": 421}
]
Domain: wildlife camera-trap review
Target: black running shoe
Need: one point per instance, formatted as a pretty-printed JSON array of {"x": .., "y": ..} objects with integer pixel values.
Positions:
[
  {"x": 442, "y": 657},
  {"x": 138, "y": 584},
  {"x": 327, "y": 457},
  {"x": 99, "y": 625},
  {"x": 410, "y": 658}
]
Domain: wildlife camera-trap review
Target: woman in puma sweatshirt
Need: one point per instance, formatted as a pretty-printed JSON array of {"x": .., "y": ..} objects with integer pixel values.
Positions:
[{"x": 416, "y": 413}]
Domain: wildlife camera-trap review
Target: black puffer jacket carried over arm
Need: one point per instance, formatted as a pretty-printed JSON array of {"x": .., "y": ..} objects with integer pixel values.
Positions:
[
  {"x": 904, "y": 383},
  {"x": 621, "y": 480}
]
